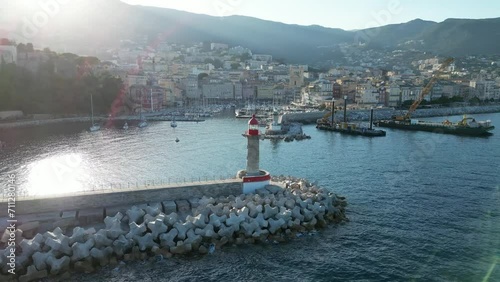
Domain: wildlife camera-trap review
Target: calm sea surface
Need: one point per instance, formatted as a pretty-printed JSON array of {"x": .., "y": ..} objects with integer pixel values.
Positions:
[{"x": 422, "y": 206}]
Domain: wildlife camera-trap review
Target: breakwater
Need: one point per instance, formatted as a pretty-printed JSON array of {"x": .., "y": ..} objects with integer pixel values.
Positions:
[
  {"x": 288, "y": 207},
  {"x": 364, "y": 115}
]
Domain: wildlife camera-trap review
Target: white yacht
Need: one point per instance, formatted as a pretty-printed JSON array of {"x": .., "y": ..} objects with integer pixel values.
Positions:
[{"x": 94, "y": 127}]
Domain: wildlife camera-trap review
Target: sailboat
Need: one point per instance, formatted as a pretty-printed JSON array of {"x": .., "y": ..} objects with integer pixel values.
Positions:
[
  {"x": 94, "y": 127},
  {"x": 142, "y": 121}
]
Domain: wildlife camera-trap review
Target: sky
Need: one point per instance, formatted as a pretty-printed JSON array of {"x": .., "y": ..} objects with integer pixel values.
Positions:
[{"x": 345, "y": 14}]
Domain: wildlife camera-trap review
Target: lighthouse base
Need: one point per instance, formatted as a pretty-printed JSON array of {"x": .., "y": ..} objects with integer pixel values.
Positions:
[{"x": 254, "y": 182}]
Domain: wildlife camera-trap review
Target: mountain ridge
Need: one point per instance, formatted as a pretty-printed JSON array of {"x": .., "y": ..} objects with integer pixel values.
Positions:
[{"x": 107, "y": 22}]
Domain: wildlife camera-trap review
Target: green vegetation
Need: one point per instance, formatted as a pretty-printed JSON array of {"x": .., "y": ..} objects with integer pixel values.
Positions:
[
  {"x": 445, "y": 101},
  {"x": 52, "y": 90}
]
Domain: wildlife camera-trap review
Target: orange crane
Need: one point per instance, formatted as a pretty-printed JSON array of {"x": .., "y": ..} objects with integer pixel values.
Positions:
[{"x": 427, "y": 89}]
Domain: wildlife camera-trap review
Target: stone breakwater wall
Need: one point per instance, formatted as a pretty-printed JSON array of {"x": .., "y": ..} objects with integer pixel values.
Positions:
[
  {"x": 277, "y": 212},
  {"x": 364, "y": 115},
  {"x": 114, "y": 200}
]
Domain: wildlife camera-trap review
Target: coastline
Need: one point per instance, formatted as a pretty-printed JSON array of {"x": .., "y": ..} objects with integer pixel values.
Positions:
[{"x": 306, "y": 118}]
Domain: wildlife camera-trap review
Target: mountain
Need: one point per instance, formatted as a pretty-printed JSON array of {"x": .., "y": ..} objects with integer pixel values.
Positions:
[{"x": 85, "y": 26}]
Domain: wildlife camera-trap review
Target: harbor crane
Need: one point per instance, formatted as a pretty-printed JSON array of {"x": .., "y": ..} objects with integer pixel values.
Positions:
[{"x": 427, "y": 89}]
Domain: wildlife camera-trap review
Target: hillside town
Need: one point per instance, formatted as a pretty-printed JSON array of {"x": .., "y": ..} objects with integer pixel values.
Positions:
[{"x": 163, "y": 75}]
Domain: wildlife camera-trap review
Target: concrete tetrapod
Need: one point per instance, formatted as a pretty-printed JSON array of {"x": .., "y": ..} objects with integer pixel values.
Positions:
[{"x": 82, "y": 250}]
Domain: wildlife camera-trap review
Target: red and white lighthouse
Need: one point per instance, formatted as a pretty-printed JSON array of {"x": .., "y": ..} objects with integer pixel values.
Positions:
[{"x": 253, "y": 177}]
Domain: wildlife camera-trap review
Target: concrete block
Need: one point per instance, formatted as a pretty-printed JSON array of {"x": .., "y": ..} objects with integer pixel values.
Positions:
[
  {"x": 194, "y": 203},
  {"x": 169, "y": 207},
  {"x": 182, "y": 206},
  {"x": 112, "y": 211},
  {"x": 90, "y": 216},
  {"x": 69, "y": 214},
  {"x": 29, "y": 226}
]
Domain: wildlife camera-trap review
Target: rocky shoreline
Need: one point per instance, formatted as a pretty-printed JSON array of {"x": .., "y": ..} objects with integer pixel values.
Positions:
[{"x": 281, "y": 211}]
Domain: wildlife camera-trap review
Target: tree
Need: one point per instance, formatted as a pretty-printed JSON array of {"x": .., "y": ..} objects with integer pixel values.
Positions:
[
  {"x": 235, "y": 66},
  {"x": 29, "y": 48},
  {"x": 21, "y": 48}
]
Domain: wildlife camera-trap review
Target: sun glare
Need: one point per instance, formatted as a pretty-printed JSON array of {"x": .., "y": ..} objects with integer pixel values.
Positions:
[{"x": 61, "y": 174}]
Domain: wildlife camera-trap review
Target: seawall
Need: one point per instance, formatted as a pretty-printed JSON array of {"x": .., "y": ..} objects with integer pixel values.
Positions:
[
  {"x": 110, "y": 199},
  {"x": 364, "y": 115}
]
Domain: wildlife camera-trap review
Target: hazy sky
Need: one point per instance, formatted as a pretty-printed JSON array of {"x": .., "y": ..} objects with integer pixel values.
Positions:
[{"x": 345, "y": 14}]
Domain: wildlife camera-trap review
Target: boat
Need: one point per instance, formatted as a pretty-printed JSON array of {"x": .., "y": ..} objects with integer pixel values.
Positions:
[
  {"x": 348, "y": 128},
  {"x": 467, "y": 126},
  {"x": 177, "y": 140},
  {"x": 94, "y": 127},
  {"x": 125, "y": 126},
  {"x": 173, "y": 124},
  {"x": 142, "y": 121},
  {"x": 351, "y": 129}
]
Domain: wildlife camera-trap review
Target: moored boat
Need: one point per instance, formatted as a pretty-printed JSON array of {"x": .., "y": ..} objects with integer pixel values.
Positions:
[{"x": 467, "y": 126}]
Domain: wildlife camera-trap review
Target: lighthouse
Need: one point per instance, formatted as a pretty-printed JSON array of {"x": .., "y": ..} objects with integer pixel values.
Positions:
[{"x": 253, "y": 177}]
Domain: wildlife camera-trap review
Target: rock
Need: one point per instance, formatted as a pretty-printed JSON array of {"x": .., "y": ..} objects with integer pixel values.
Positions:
[
  {"x": 235, "y": 220},
  {"x": 308, "y": 215},
  {"x": 167, "y": 239},
  {"x": 250, "y": 227},
  {"x": 84, "y": 266},
  {"x": 182, "y": 206},
  {"x": 149, "y": 218},
  {"x": 253, "y": 211},
  {"x": 207, "y": 232},
  {"x": 296, "y": 213},
  {"x": 82, "y": 250},
  {"x": 194, "y": 239},
  {"x": 136, "y": 230},
  {"x": 269, "y": 211},
  {"x": 169, "y": 207},
  {"x": 101, "y": 255},
  {"x": 238, "y": 204},
  {"x": 194, "y": 203},
  {"x": 60, "y": 244},
  {"x": 227, "y": 231},
  {"x": 29, "y": 247},
  {"x": 273, "y": 189},
  {"x": 40, "y": 259},
  {"x": 77, "y": 236},
  {"x": 285, "y": 214},
  {"x": 198, "y": 221},
  {"x": 204, "y": 201},
  {"x": 260, "y": 233},
  {"x": 157, "y": 227},
  {"x": 101, "y": 239},
  {"x": 154, "y": 210},
  {"x": 122, "y": 245},
  {"x": 135, "y": 214},
  {"x": 244, "y": 211},
  {"x": 275, "y": 225},
  {"x": 171, "y": 219},
  {"x": 58, "y": 265},
  {"x": 203, "y": 250},
  {"x": 29, "y": 226},
  {"x": 145, "y": 242},
  {"x": 183, "y": 228},
  {"x": 217, "y": 221},
  {"x": 262, "y": 222},
  {"x": 181, "y": 248},
  {"x": 33, "y": 274}
]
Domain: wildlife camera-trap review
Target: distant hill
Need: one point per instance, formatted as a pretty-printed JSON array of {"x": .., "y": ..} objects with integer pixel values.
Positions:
[{"x": 101, "y": 24}]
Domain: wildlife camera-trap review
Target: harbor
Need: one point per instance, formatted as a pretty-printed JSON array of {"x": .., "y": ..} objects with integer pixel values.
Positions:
[{"x": 387, "y": 164}]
